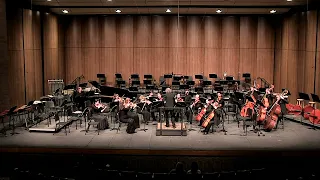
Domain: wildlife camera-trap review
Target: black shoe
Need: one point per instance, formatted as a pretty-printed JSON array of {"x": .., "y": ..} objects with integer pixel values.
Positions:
[
  {"x": 173, "y": 125},
  {"x": 167, "y": 125}
]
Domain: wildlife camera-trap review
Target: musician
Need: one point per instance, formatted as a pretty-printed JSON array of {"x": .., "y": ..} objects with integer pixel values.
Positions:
[
  {"x": 196, "y": 104},
  {"x": 209, "y": 108},
  {"x": 156, "y": 109},
  {"x": 169, "y": 103},
  {"x": 188, "y": 101},
  {"x": 126, "y": 116},
  {"x": 99, "y": 107},
  {"x": 79, "y": 97},
  {"x": 145, "y": 108},
  {"x": 218, "y": 109},
  {"x": 178, "y": 113}
]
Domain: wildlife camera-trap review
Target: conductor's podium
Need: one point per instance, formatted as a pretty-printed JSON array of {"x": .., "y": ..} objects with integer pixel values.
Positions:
[{"x": 179, "y": 130}]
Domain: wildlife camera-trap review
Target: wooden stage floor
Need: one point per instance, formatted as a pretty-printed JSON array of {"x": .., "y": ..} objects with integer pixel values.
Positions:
[{"x": 294, "y": 137}]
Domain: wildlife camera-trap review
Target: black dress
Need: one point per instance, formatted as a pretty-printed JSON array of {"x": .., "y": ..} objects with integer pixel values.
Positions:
[{"x": 126, "y": 116}]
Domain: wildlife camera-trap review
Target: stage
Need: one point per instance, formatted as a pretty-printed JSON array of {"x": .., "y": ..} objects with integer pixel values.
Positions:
[{"x": 294, "y": 137}]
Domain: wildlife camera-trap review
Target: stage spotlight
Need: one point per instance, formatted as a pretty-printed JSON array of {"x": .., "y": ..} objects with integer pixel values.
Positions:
[
  {"x": 219, "y": 11},
  {"x": 168, "y": 11},
  {"x": 118, "y": 11},
  {"x": 273, "y": 11},
  {"x": 65, "y": 11}
]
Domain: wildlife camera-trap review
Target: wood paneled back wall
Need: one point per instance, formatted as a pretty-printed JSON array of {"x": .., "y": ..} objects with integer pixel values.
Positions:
[
  {"x": 297, "y": 60},
  {"x": 163, "y": 44}
]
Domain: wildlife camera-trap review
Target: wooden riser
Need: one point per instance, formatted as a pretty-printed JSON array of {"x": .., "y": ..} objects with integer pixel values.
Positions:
[{"x": 170, "y": 131}]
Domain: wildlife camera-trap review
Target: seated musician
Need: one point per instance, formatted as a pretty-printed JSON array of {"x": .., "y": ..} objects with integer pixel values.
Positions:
[
  {"x": 145, "y": 108},
  {"x": 99, "y": 107},
  {"x": 169, "y": 103},
  {"x": 196, "y": 105},
  {"x": 116, "y": 98},
  {"x": 159, "y": 97},
  {"x": 79, "y": 97},
  {"x": 126, "y": 116},
  {"x": 209, "y": 108},
  {"x": 217, "y": 108}
]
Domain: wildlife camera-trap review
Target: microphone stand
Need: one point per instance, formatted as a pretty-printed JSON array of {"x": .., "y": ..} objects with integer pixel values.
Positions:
[{"x": 144, "y": 124}]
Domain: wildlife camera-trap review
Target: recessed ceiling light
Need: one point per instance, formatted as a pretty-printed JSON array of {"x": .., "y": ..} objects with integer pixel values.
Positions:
[
  {"x": 48, "y": 0},
  {"x": 168, "y": 11},
  {"x": 273, "y": 11},
  {"x": 65, "y": 11},
  {"x": 219, "y": 11},
  {"x": 109, "y": 0},
  {"x": 289, "y": 0},
  {"x": 118, "y": 11}
]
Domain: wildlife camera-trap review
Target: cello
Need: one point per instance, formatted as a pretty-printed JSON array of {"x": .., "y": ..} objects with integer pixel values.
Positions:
[
  {"x": 314, "y": 116},
  {"x": 273, "y": 113},
  {"x": 210, "y": 116},
  {"x": 202, "y": 112},
  {"x": 248, "y": 105}
]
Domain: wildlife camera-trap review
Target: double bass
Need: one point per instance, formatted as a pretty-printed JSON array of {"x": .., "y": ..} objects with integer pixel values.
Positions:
[
  {"x": 266, "y": 104},
  {"x": 273, "y": 113}
]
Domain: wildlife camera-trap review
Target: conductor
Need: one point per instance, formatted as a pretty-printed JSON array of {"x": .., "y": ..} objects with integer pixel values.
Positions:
[{"x": 169, "y": 103}]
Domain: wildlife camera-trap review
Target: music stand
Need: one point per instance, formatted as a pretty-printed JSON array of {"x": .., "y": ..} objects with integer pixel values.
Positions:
[
  {"x": 218, "y": 88},
  {"x": 175, "y": 83},
  {"x": 134, "y": 76},
  {"x": 167, "y": 76},
  {"x": 70, "y": 86},
  {"x": 304, "y": 96},
  {"x": 150, "y": 87},
  {"x": 118, "y": 76},
  {"x": 206, "y": 83},
  {"x": 198, "y": 76},
  {"x": 315, "y": 98},
  {"x": 83, "y": 85},
  {"x": 190, "y": 83},
  {"x": 199, "y": 90},
  {"x": 177, "y": 78},
  {"x": 101, "y": 75},
  {"x": 147, "y": 82},
  {"x": 246, "y": 75},
  {"x": 229, "y": 78},
  {"x": 213, "y": 76},
  {"x": 147, "y": 76},
  {"x": 133, "y": 88},
  {"x": 136, "y": 83},
  {"x": 121, "y": 82},
  {"x": 184, "y": 86}
]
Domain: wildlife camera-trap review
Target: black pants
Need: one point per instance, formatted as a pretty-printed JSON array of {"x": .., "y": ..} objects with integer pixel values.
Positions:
[
  {"x": 189, "y": 115},
  {"x": 146, "y": 115},
  {"x": 172, "y": 113}
]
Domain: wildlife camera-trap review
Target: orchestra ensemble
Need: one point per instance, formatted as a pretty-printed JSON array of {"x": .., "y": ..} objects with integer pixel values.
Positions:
[{"x": 208, "y": 111}]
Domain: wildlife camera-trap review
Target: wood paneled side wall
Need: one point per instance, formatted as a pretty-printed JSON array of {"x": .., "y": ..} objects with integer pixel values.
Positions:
[
  {"x": 25, "y": 57},
  {"x": 297, "y": 64},
  {"x": 164, "y": 44},
  {"x": 53, "y": 43},
  {"x": 4, "y": 60}
]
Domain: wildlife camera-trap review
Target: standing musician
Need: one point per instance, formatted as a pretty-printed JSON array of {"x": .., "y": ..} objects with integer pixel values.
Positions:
[
  {"x": 126, "y": 116},
  {"x": 217, "y": 108},
  {"x": 145, "y": 108},
  {"x": 188, "y": 101},
  {"x": 169, "y": 103},
  {"x": 79, "y": 97}
]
